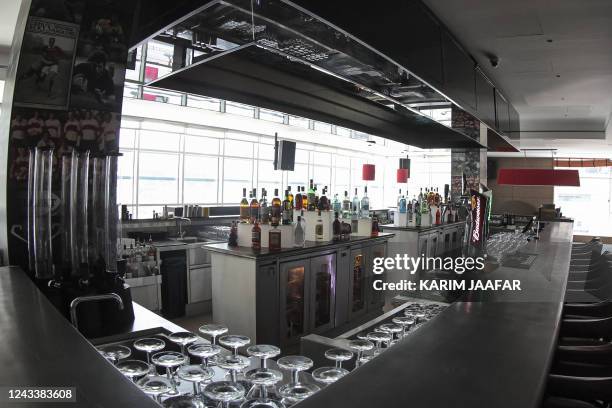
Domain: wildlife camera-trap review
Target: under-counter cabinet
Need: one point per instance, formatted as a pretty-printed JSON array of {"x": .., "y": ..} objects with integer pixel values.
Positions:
[
  {"x": 200, "y": 284},
  {"x": 278, "y": 297},
  {"x": 146, "y": 291},
  {"x": 307, "y": 297},
  {"x": 434, "y": 241}
]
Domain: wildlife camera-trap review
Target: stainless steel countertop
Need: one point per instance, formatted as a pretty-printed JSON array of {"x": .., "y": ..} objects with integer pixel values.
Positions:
[
  {"x": 39, "y": 347},
  {"x": 310, "y": 246},
  {"x": 493, "y": 349},
  {"x": 420, "y": 229}
]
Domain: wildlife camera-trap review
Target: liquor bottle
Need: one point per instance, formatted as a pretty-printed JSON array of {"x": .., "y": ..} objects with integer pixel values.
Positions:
[
  {"x": 375, "y": 227},
  {"x": 311, "y": 197},
  {"x": 297, "y": 202},
  {"x": 316, "y": 199},
  {"x": 287, "y": 210},
  {"x": 402, "y": 205},
  {"x": 365, "y": 204},
  {"x": 304, "y": 199},
  {"x": 256, "y": 237},
  {"x": 424, "y": 204},
  {"x": 418, "y": 217},
  {"x": 298, "y": 233},
  {"x": 337, "y": 227},
  {"x": 245, "y": 211},
  {"x": 264, "y": 210},
  {"x": 355, "y": 207},
  {"x": 319, "y": 228},
  {"x": 275, "y": 211},
  {"x": 399, "y": 197},
  {"x": 346, "y": 206},
  {"x": 438, "y": 216},
  {"x": 254, "y": 207},
  {"x": 437, "y": 198},
  {"x": 409, "y": 210},
  {"x": 323, "y": 204},
  {"x": 233, "y": 236},
  {"x": 336, "y": 205},
  {"x": 290, "y": 197},
  {"x": 274, "y": 239}
]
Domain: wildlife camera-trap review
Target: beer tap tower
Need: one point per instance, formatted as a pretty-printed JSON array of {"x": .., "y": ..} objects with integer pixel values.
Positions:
[{"x": 83, "y": 224}]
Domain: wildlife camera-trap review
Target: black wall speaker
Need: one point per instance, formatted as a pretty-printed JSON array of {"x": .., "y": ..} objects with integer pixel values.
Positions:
[
  {"x": 404, "y": 163},
  {"x": 491, "y": 169},
  {"x": 284, "y": 158}
]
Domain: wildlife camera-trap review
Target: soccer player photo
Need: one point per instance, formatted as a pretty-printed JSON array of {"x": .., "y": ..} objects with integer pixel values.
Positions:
[{"x": 46, "y": 63}]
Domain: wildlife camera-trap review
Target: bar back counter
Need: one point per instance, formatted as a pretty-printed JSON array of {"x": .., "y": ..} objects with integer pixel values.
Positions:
[{"x": 490, "y": 349}]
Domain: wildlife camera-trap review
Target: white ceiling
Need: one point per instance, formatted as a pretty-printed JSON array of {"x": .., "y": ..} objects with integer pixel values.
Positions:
[{"x": 518, "y": 32}]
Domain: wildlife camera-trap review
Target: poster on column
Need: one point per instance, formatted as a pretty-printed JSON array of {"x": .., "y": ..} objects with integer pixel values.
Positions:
[
  {"x": 45, "y": 65},
  {"x": 99, "y": 70},
  {"x": 83, "y": 129}
]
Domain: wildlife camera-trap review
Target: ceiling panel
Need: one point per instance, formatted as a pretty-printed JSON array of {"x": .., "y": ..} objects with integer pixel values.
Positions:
[{"x": 574, "y": 41}]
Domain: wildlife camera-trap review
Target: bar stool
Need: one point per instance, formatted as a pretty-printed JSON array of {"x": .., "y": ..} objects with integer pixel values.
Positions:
[
  {"x": 155, "y": 386},
  {"x": 296, "y": 391},
  {"x": 234, "y": 341},
  {"x": 263, "y": 352},
  {"x": 263, "y": 378},
  {"x": 378, "y": 337},
  {"x": 213, "y": 330},
  {"x": 393, "y": 329},
  {"x": 149, "y": 345},
  {"x": 328, "y": 375},
  {"x": 224, "y": 392},
  {"x": 405, "y": 322},
  {"x": 133, "y": 369},
  {"x": 360, "y": 346},
  {"x": 169, "y": 360},
  {"x": 234, "y": 364},
  {"x": 204, "y": 351},
  {"x": 183, "y": 339},
  {"x": 115, "y": 352},
  {"x": 183, "y": 401}
]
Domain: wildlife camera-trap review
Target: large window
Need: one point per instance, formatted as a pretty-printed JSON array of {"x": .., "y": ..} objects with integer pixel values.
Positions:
[
  {"x": 177, "y": 162},
  {"x": 167, "y": 163},
  {"x": 589, "y": 204}
]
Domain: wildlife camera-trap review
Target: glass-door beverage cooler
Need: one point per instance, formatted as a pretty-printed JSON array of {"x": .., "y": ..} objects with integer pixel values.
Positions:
[{"x": 307, "y": 297}]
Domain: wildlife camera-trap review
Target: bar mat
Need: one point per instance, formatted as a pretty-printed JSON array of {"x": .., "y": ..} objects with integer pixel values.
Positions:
[{"x": 519, "y": 260}]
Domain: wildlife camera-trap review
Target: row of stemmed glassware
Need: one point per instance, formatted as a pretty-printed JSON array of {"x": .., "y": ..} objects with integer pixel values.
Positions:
[
  {"x": 504, "y": 243},
  {"x": 388, "y": 334},
  {"x": 251, "y": 389}
]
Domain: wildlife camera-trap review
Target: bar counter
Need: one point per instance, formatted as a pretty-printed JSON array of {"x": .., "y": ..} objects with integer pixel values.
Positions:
[
  {"x": 493, "y": 352},
  {"x": 491, "y": 349},
  {"x": 39, "y": 347},
  {"x": 309, "y": 246}
]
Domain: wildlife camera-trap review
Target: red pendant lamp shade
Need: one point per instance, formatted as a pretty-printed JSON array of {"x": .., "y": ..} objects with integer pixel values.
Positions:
[
  {"x": 368, "y": 172},
  {"x": 403, "y": 175},
  {"x": 539, "y": 177}
]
